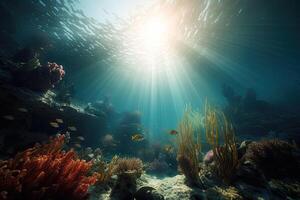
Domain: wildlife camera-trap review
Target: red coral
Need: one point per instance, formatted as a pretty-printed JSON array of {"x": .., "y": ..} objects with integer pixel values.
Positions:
[{"x": 45, "y": 172}]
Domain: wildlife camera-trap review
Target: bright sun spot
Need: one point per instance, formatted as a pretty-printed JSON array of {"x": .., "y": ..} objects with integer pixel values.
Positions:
[
  {"x": 153, "y": 38},
  {"x": 155, "y": 33}
]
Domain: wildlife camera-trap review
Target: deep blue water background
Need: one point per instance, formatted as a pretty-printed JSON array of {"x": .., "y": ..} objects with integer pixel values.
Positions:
[{"x": 260, "y": 49}]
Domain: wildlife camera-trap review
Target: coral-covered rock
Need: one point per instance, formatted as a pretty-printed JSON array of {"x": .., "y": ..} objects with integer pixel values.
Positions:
[
  {"x": 275, "y": 158},
  {"x": 250, "y": 174},
  {"x": 32, "y": 125},
  {"x": 41, "y": 78}
]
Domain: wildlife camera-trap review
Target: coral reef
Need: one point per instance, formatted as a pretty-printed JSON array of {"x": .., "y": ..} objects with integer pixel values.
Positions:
[
  {"x": 45, "y": 172},
  {"x": 40, "y": 78},
  {"x": 33, "y": 126},
  {"x": 269, "y": 153},
  {"x": 225, "y": 156},
  {"x": 189, "y": 147}
]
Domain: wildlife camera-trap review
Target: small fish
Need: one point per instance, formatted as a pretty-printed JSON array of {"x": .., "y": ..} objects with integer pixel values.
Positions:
[
  {"x": 9, "y": 117},
  {"x": 173, "y": 132},
  {"x": 72, "y": 128},
  {"x": 59, "y": 121},
  {"x": 54, "y": 124},
  {"x": 168, "y": 148},
  {"x": 80, "y": 138},
  {"x": 91, "y": 155},
  {"x": 77, "y": 145},
  {"x": 22, "y": 110},
  {"x": 61, "y": 109},
  {"x": 137, "y": 137}
]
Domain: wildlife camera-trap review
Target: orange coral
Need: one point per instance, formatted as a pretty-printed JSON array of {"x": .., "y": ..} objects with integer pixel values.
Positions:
[{"x": 45, "y": 172}]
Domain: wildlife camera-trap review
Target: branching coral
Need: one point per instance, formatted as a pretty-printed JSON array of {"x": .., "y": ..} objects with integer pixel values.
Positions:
[
  {"x": 269, "y": 153},
  {"x": 225, "y": 156},
  {"x": 45, "y": 172},
  {"x": 189, "y": 146},
  {"x": 104, "y": 171}
]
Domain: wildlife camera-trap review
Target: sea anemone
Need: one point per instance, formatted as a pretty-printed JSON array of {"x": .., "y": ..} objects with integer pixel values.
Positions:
[
  {"x": 127, "y": 170},
  {"x": 128, "y": 166}
]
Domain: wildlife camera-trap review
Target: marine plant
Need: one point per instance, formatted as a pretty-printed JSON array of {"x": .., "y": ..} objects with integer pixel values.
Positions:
[
  {"x": 45, "y": 172},
  {"x": 225, "y": 156},
  {"x": 189, "y": 146},
  {"x": 269, "y": 153}
]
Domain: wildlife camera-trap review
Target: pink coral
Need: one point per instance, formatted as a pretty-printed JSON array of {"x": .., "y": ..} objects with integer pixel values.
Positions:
[
  {"x": 56, "y": 72},
  {"x": 41, "y": 78}
]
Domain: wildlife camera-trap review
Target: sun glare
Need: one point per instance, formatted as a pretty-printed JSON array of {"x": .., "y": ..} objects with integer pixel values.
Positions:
[
  {"x": 150, "y": 42},
  {"x": 155, "y": 33}
]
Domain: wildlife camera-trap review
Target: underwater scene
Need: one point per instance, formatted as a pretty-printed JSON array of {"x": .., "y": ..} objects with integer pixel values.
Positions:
[{"x": 149, "y": 99}]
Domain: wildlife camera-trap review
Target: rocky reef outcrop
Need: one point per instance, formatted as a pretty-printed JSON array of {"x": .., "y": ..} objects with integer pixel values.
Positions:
[
  {"x": 27, "y": 117},
  {"x": 253, "y": 117}
]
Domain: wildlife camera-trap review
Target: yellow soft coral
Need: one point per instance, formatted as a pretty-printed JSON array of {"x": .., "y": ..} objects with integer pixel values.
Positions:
[
  {"x": 225, "y": 156},
  {"x": 189, "y": 146}
]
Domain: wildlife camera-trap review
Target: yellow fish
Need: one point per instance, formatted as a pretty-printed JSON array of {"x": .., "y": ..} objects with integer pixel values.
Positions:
[
  {"x": 54, "y": 124},
  {"x": 72, "y": 128},
  {"x": 59, "y": 121},
  {"x": 137, "y": 137},
  {"x": 9, "y": 117}
]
